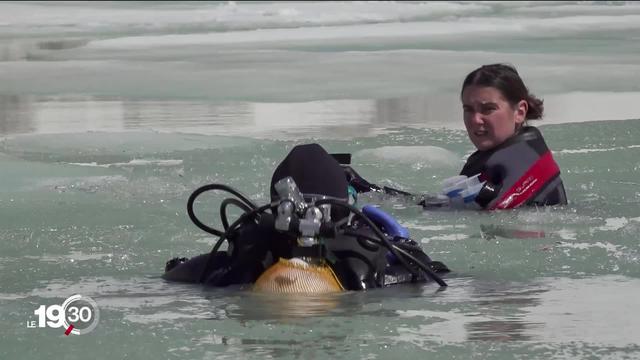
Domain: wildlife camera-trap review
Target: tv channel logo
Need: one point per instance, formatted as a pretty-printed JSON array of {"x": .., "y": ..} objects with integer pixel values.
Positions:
[{"x": 77, "y": 315}]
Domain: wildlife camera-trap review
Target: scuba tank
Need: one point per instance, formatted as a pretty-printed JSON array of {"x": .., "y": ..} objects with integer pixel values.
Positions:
[
  {"x": 311, "y": 241},
  {"x": 291, "y": 253}
]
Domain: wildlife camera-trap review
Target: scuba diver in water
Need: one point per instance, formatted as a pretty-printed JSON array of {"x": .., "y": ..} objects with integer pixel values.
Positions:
[
  {"x": 512, "y": 165},
  {"x": 310, "y": 238}
]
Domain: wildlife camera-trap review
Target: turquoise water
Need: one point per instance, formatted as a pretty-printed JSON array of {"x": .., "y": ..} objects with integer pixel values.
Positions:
[{"x": 111, "y": 114}]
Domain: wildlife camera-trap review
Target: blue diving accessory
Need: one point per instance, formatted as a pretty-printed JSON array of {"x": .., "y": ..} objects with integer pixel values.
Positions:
[
  {"x": 388, "y": 224},
  {"x": 453, "y": 185},
  {"x": 462, "y": 190}
]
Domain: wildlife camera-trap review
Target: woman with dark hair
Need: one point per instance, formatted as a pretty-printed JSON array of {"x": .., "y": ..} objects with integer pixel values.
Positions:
[
  {"x": 512, "y": 157},
  {"x": 512, "y": 165},
  {"x": 496, "y": 105}
]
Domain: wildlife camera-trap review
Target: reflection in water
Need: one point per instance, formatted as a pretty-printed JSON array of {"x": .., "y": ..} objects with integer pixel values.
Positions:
[
  {"x": 499, "y": 330},
  {"x": 23, "y": 114},
  {"x": 333, "y": 118},
  {"x": 559, "y": 311},
  {"x": 176, "y": 115},
  {"x": 15, "y": 115},
  {"x": 330, "y": 118},
  {"x": 492, "y": 231},
  {"x": 336, "y": 325},
  {"x": 502, "y": 308},
  {"x": 254, "y": 305},
  {"x": 244, "y": 304},
  {"x": 435, "y": 110},
  {"x": 285, "y": 307},
  {"x": 597, "y": 310}
]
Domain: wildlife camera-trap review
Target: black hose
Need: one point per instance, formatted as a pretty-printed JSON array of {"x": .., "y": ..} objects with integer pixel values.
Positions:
[
  {"x": 251, "y": 210},
  {"x": 400, "y": 249},
  {"x": 223, "y": 210},
  {"x": 373, "y": 226},
  {"x": 393, "y": 249},
  {"x": 200, "y": 190},
  {"x": 420, "y": 264},
  {"x": 243, "y": 218}
]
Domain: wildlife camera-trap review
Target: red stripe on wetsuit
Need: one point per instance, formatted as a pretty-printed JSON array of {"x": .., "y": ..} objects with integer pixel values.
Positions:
[{"x": 530, "y": 183}]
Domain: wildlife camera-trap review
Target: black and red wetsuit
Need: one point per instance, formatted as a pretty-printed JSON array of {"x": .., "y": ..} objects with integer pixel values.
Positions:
[{"x": 520, "y": 171}]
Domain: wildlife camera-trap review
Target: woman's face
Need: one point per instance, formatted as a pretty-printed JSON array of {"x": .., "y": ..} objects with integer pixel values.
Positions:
[{"x": 488, "y": 116}]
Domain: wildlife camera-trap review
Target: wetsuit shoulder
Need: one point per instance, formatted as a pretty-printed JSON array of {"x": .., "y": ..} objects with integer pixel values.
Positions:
[{"x": 476, "y": 163}]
